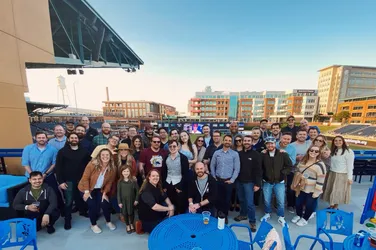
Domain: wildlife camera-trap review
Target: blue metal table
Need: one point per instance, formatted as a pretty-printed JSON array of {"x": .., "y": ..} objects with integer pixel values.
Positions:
[
  {"x": 187, "y": 231},
  {"x": 348, "y": 244}
]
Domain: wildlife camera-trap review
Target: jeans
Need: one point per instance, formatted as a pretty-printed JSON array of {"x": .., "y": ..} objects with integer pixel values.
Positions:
[
  {"x": 291, "y": 198},
  {"x": 247, "y": 205},
  {"x": 73, "y": 194},
  {"x": 224, "y": 190},
  {"x": 52, "y": 182},
  {"x": 95, "y": 204},
  {"x": 279, "y": 190},
  {"x": 310, "y": 203}
]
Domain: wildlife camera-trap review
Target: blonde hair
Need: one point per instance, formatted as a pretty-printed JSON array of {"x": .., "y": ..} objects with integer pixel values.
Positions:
[{"x": 97, "y": 162}]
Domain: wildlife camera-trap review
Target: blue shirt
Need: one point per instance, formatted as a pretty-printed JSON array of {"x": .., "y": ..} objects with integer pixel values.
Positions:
[
  {"x": 225, "y": 164},
  {"x": 290, "y": 150},
  {"x": 207, "y": 141},
  {"x": 54, "y": 142},
  {"x": 38, "y": 160}
]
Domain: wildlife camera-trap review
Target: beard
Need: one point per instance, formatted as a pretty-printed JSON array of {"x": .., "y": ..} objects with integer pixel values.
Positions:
[{"x": 73, "y": 143}]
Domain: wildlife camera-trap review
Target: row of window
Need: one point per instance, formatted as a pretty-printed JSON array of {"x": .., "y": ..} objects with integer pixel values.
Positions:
[{"x": 359, "y": 107}]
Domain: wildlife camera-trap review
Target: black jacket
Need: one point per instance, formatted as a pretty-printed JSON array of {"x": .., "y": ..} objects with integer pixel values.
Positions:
[
  {"x": 184, "y": 164},
  {"x": 90, "y": 133},
  {"x": 211, "y": 142},
  {"x": 275, "y": 168},
  {"x": 211, "y": 192},
  {"x": 47, "y": 199},
  {"x": 250, "y": 167},
  {"x": 259, "y": 146}
]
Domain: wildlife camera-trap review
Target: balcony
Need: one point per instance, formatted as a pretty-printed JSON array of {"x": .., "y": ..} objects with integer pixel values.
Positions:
[
  {"x": 195, "y": 99},
  {"x": 196, "y": 105},
  {"x": 195, "y": 111}
]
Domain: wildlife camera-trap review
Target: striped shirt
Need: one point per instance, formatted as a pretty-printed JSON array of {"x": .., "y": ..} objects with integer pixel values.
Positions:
[
  {"x": 225, "y": 164},
  {"x": 315, "y": 177}
]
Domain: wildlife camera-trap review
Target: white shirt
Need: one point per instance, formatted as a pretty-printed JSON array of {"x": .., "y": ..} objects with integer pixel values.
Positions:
[
  {"x": 100, "y": 179},
  {"x": 343, "y": 164}
]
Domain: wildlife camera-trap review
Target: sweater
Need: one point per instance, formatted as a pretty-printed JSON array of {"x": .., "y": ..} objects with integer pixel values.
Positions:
[
  {"x": 314, "y": 178},
  {"x": 343, "y": 164},
  {"x": 90, "y": 177}
]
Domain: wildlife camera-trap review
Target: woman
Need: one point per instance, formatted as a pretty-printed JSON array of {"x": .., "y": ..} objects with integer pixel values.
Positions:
[
  {"x": 238, "y": 143},
  {"x": 95, "y": 185},
  {"x": 320, "y": 141},
  {"x": 314, "y": 171},
  {"x": 238, "y": 146},
  {"x": 199, "y": 142},
  {"x": 152, "y": 207},
  {"x": 187, "y": 148},
  {"x": 125, "y": 157},
  {"x": 137, "y": 146},
  {"x": 174, "y": 177},
  {"x": 338, "y": 187}
]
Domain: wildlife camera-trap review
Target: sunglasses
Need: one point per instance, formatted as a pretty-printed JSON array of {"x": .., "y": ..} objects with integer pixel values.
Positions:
[
  {"x": 200, "y": 141},
  {"x": 314, "y": 151},
  {"x": 156, "y": 141},
  {"x": 238, "y": 140},
  {"x": 172, "y": 146},
  {"x": 320, "y": 140}
]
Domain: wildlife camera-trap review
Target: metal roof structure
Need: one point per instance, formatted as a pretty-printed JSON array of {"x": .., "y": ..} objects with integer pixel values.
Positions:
[
  {"x": 82, "y": 38},
  {"x": 42, "y": 108}
]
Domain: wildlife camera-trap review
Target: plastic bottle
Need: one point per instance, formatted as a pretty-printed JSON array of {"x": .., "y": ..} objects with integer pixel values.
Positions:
[{"x": 221, "y": 220}]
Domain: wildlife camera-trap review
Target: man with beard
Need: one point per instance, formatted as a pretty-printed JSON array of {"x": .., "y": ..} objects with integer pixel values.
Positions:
[
  {"x": 102, "y": 138},
  {"x": 264, "y": 128},
  {"x": 202, "y": 193},
  {"x": 224, "y": 167},
  {"x": 276, "y": 131},
  {"x": 146, "y": 137},
  {"x": 217, "y": 144},
  {"x": 84, "y": 141},
  {"x": 69, "y": 125},
  {"x": 249, "y": 181},
  {"x": 89, "y": 131},
  {"x": 70, "y": 165},
  {"x": 38, "y": 201},
  {"x": 258, "y": 143},
  {"x": 124, "y": 136},
  {"x": 291, "y": 127},
  {"x": 208, "y": 140},
  {"x": 152, "y": 158},
  {"x": 60, "y": 139},
  {"x": 174, "y": 135}
]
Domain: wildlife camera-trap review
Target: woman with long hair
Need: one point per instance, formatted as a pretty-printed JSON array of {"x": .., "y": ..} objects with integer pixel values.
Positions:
[
  {"x": 338, "y": 187},
  {"x": 95, "y": 185},
  {"x": 200, "y": 145},
  {"x": 137, "y": 146},
  {"x": 238, "y": 143},
  {"x": 151, "y": 208},
  {"x": 125, "y": 158},
  {"x": 187, "y": 148},
  {"x": 320, "y": 141},
  {"x": 313, "y": 171}
]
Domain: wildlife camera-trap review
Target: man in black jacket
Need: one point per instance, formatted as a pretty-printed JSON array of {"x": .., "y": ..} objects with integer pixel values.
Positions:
[
  {"x": 202, "y": 192},
  {"x": 70, "y": 165},
  {"x": 38, "y": 201},
  {"x": 249, "y": 181},
  {"x": 275, "y": 166},
  {"x": 90, "y": 132}
]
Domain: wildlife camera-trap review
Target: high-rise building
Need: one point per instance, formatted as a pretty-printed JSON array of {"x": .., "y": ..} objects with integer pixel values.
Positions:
[
  {"x": 340, "y": 82},
  {"x": 362, "y": 110},
  {"x": 253, "y": 106}
]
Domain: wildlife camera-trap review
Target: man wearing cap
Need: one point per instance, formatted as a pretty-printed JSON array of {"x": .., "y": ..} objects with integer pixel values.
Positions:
[
  {"x": 69, "y": 125},
  {"x": 291, "y": 127},
  {"x": 264, "y": 128},
  {"x": 275, "y": 166},
  {"x": 102, "y": 138}
]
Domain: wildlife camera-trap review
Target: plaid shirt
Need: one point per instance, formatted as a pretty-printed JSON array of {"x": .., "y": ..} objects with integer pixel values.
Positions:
[{"x": 100, "y": 140}]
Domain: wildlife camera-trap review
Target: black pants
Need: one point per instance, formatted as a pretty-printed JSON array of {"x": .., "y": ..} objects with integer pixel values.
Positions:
[
  {"x": 177, "y": 199},
  {"x": 234, "y": 197},
  {"x": 73, "y": 194},
  {"x": 148, "y": 226},
  {"x": 290, "y": 194},
  {"x": 95, "y": 204},
  {"x": 256, "y": 197},
  {"x": 52, "y": 182},
  {"x": 310, "y": 203},
  {"x": 54, "y": 216},
  {"x": 224, "y": 191}
]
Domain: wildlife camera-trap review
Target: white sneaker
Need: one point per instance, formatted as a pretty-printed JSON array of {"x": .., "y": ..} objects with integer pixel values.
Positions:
[
  {"x": 295, "y": 219},
  {"x": 302, "y": 222},
  {"x": 281, "y": 220},
  {"x": 96, "y": 229},
  {"x": 111, "y": 226},
  {"x": 291, "y": 210},
  {"x": 266, "y": 217},
  {"x": 312, "y": 216}
]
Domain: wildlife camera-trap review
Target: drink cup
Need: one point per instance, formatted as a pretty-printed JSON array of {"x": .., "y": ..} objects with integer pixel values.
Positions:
[
  {"x": 206, "y": 217},
  {"x": 36, "y": 203}
]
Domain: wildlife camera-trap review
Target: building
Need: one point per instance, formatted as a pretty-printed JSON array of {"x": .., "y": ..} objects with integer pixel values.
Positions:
[
  {"x": 362, "y": 110},
  {"x": 253, "y": 106},
  {"x": 340, "y": 82}
]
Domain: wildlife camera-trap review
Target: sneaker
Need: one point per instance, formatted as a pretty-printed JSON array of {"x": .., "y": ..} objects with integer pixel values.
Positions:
[
  {"x": 266, "y": 217},
  {"x": 240, "y": 218},
  {"x": 281, "y": 220},
  {"x": 111, "y": 226},
  {"x": 67, "y": 225},
  {"x": 253, "y": 227},
  {"x": 50, "y": 229},
  {"x": 312, "y": 216},
  {"x": 295, "y": 219},
  {"x": 96, "y": 229},
  {"x": 291, "y": 210},
  {"x": 302, "y": 222}
]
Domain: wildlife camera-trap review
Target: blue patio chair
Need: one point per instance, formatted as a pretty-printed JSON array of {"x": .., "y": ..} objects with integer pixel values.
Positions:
[
  {"x": 260, "y": 236},
  {"x": 18, "y": 232},
  {"x": 290, "y": 246},
  {"x": 332, "y": 221}
]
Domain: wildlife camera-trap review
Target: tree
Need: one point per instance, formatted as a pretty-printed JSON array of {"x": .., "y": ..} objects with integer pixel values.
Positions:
[{"x": 342, "y": 116}]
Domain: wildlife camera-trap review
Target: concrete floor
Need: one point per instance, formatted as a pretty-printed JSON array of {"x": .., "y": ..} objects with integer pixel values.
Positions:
[{"x": 80, "y": 237}]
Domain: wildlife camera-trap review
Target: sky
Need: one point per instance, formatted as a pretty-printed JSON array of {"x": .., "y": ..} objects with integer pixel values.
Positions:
[{"x": 234, "y": 45}]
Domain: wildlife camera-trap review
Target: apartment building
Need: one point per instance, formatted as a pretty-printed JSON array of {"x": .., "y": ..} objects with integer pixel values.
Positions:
[
  {"x": 253, "y": 106},
  {"x": 362, "y": 110},
  {"x": 341, "y": 82}
]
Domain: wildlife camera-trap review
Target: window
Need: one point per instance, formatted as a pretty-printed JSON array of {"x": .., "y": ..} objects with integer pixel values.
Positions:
[
  {"x": 345, "y": 108},
  {"x": 371, "y": 114},
  {"x": 371, "y": 106},
  {"x": 358, "y": 108},
  {"x": 356, "y": 114}
]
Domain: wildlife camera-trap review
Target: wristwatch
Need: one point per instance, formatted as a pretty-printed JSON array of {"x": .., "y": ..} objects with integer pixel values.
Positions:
[
  {"x": 26, "y": 207},
  {"x": 190, "y": 203}
]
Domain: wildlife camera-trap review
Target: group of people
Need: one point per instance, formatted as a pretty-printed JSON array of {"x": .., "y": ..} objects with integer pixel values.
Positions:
[{"x": 163, "y": 173}]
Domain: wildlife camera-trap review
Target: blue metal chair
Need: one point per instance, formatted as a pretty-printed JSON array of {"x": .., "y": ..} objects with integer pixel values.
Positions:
[
  {"x": 260, "y": 236},
  {"x": 332, "y": 221},
  {"x": 18, "y": 232},
  {"x": 290, "y": 246}
]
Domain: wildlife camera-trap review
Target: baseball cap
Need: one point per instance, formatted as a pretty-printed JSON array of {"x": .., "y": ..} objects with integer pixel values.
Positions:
[
  {"x": 69, "y": 121},
  {"x": 269, "y": 139}
]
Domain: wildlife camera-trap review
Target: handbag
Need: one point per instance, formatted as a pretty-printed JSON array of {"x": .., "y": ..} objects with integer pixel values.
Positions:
[{"x": 298, "y": 182}]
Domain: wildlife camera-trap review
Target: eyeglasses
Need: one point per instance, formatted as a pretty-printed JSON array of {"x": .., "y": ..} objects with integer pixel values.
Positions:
[
  {"x": 156, "y": 141},
  {"x": 290, "y": 120},
  {"x": 172, "y": 146},
  {"x": 200, "y": 141},
  {"x": 314, "y": 151},
  {"x": 320, "y": 140},
  {"x": 238, "y": 140}
]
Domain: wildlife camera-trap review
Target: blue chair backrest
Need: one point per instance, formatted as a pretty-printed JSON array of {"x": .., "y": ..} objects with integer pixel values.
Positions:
[
  {"x": 18, "y": 232},
  {"x": 334, "y": 222},
  {"x": 262, "y": 232},
  {"x": 286, "y": 238}
]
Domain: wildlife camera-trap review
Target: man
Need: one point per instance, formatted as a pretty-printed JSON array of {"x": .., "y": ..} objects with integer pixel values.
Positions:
[
  {"x": 291, "y": 127},
  {"x": 38, "y": 201},
  {"x": 147, "y": 136},
  {"x": 102, "y": 138},
  {"x": 305, "y": 126},
  {"x": 275, "y": 166},
  {"x": 123, "y": 136},
  {"x": 84, "y": 141},
  {"x": 208, "y": 140},
  {"x": 202, "y": 192},
  {"x": 174, "y": 135},
  {"x": 132, "y": 132},
  {"x": 258, "y": 143},
  {"x": 70, "y": 165},
  {"x": 217, "y": 144},
  {"x": 89, "y": 131},
  {"x": 234, "y": 131},
  {"x": 60, "y": 139},
  {"x": 69, "y": 125},
  {"x": 162, "y": 132},
  {"x": 276, "y": 131},
  {"x": 284, "y": 144},
  {"x": 224, "y": 167},
  {"x": 113, "y": 141},
  {"x": 152, "y": 158},
  {"x": 264, "y": 128},
  {"x": 249, "y": 181},
  {"x": 312, "y": 133}
]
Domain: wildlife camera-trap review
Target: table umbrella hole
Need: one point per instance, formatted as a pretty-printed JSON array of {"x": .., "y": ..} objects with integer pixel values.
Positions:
[{"x": 193, "y": 236}]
